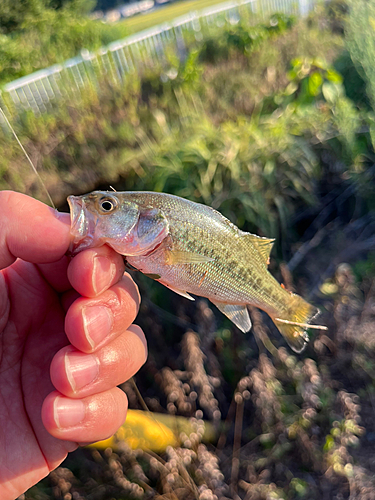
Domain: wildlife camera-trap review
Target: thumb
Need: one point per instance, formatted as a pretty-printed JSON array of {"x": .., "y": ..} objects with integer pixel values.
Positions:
[{"x": 30, "y": 230}]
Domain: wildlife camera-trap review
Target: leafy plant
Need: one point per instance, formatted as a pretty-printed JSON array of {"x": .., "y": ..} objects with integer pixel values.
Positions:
[
  {"x": 243, "y": 38},
  {"x": 311, "y": 79}
]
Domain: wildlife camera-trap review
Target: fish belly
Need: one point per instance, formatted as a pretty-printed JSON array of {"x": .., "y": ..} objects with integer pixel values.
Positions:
[{"x": 210, "y": 280}]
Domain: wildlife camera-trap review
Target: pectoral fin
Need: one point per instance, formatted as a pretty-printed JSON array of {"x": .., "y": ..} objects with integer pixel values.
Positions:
[
  {"x": 180, "y": 292},
  {"x": 153, "y": 276},
  {"x": 181, "y": 257},
  {"x": 149, "y": 275},
  {"x": 238, "y": 314}
]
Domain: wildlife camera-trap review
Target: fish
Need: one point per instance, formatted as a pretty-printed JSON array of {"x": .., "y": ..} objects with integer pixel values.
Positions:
[{"x": 193, "y": 249}]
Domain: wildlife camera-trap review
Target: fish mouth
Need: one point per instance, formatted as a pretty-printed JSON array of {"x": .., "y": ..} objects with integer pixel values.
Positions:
[{"x": 79, "y": 225}]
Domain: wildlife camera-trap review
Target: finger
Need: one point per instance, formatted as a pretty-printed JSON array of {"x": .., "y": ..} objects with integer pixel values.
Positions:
[
  {"x": 31, "y": 230},
  {"x": 76, "y": 374},
  {"x": 93, "y": 271},
  {"x": 55, "y": 273},
  {"x": 92, "y": 323},
  {"x": 89, "y": 419},
  {"x": 68, "y": 298}
]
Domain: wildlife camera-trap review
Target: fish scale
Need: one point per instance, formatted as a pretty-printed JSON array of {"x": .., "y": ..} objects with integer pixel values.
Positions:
[
  {"x": 192, "y": 249},
  {"x": 228, "y": 279}
]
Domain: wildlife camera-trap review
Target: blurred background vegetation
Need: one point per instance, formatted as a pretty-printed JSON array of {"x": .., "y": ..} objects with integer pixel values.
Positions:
[
  {"x": 35, "y": 34},
  {"x": 271, "y": 121}
]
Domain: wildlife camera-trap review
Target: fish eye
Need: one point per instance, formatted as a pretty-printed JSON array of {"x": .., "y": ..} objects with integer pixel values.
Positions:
[{"x": 107, "y": 205}]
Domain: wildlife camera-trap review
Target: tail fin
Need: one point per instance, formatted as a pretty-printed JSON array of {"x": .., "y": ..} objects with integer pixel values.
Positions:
[{"x": 293, "y": 326}]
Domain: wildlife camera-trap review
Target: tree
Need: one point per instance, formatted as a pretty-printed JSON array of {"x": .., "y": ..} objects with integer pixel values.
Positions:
[
  {"x": 110, "y": 4},
  {"x": 13, "y": 13},
  {"x": 78, "y": 6},
  {"x": 16, "y": 14}
]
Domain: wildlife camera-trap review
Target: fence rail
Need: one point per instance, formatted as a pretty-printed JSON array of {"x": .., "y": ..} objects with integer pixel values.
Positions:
[{"x": 37, "y": 90}]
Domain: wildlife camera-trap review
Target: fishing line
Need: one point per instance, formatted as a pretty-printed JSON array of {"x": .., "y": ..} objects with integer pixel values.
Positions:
[{"x": 28, "y": 157}]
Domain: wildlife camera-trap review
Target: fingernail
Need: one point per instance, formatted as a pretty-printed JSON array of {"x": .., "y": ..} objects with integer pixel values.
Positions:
[
  {"x": 68, "y": 412},
  {"x": 103, "y": 274},
  {"x": 81, "y": 369},
  {"x": 97, "y": 323}
]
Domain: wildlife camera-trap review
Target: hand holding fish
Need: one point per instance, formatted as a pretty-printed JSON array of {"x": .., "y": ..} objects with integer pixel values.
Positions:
[{"x": 69, "y": 322}]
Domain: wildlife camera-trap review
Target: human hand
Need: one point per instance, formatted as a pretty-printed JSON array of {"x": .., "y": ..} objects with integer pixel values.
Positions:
[{"x": 58, "y": 383}]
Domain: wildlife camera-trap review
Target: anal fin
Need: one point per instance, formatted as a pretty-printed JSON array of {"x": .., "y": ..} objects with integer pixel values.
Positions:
[{"x": 238, "y": 314}]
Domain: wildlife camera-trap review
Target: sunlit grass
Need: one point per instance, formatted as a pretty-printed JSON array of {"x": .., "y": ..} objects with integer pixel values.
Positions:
[{"x": 144, "y": 21}]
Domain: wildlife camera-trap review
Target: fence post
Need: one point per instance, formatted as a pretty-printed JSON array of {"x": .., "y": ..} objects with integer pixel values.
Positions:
[{"x": 304, "y": 7}]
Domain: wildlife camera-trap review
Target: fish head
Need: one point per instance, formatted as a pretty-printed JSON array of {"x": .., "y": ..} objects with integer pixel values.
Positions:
[{"x": 101, "y": 217}]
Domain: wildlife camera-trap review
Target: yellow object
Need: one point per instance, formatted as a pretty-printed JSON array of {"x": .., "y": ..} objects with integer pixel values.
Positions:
[
  {"x": 152, "y": 431},
  {"x": 329, "y": 288}
]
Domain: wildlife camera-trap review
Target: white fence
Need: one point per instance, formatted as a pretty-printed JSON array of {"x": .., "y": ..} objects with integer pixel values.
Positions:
[{"x": 36, "y": 91}]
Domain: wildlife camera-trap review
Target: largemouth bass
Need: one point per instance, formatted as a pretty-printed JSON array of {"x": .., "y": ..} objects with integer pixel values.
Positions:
[{"x": 191, "y": 248}]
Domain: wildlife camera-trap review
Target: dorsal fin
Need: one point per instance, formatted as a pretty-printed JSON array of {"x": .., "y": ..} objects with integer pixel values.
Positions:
[{"x": 263, "y": 245}]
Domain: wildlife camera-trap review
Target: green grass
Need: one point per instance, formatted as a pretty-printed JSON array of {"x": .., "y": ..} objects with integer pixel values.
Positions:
[{"x": 168, "y": 13}]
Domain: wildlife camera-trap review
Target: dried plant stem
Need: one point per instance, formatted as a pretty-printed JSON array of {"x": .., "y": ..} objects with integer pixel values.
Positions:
[
  {"x": 157, "y": 457},
  {"x": 223, "y": 436},
  {"x": 184, "y": 475},
  {"x": 304, "y": 325},
  {"x": 237, "y": 442},
  {"x": 139, "y": 395},
  {"x": 260, "y": 332},
  {"x": 188, "y": 480},
  {"x": 370, "y": 295},
  {"x": 307, "y": 247},
  {"x": 287, "y": 277},
  {"x": 143, "y": 403}
]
